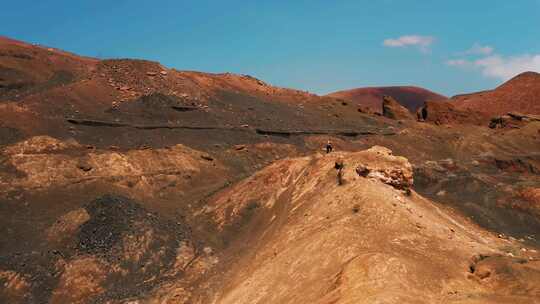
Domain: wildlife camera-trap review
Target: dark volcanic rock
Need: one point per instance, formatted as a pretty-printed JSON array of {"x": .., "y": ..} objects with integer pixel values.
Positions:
[
  {"x": 512, "y": 120},
  {"x": 136, "y": 244},
  {"x": 9, "y": 135},
  {"x": 156, "y": 103},
  {"x": 113, "y": 218},
  {"x": 392, "y": 109},
  {"x": 119, "y": 250}
]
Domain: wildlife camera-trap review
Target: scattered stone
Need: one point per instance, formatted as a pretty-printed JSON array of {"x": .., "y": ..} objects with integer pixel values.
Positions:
[
  {"x": 239, "y": 147},
  {"x": 362, "y": 170},
  {"x": 512, "y": 120},
  {"x": 151, "y": 74},
  {"x": 524, "y": 117},
  {"x": 500, "y": 122},
  {"x": 84, "y": 166},
  {"x": 208, "y": 250},
  {"x": 207, "y": 157}
]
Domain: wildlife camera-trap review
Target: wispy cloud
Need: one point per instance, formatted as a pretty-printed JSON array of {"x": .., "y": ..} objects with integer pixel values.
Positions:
[
  {"x": 422, "y": 42},
  {"x": 504, "y": 68},
  {"x": 478, "y": 49},
  {"x": 458, "y": 62},
  {"x": 495, "y": 65}
]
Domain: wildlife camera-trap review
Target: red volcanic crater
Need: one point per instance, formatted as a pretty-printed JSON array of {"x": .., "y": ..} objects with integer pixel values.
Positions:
[{"x": 371, "y": 97}]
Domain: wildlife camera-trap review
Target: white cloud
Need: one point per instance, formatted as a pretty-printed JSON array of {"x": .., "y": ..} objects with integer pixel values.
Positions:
[
  {"x": 478, "y": 49},
  {"x": 458, "y": 62},
  {"x": 422, "y": 42},
  {"x": 501, "y": 67},
  {"x": 504, "y": 68}
]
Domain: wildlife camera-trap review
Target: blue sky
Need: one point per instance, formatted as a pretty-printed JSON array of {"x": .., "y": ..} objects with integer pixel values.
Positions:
[{"x": 322, "y": 46}]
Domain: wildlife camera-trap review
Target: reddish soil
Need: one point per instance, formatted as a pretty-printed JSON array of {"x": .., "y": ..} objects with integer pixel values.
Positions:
[
  {"x": 410, "y": 97},
  {"x": 520, "y": 94}
]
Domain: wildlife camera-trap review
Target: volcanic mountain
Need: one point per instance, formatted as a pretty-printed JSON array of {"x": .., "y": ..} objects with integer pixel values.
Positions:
[
  {"x": 408, "y": 96},
  {"x": 124, "y": 181},
  {"x": 519, "y": 94}
]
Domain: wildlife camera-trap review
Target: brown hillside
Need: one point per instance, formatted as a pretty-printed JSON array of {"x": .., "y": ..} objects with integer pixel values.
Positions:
[
  {"x": 124, "y": 181},
  {"x": 519, "y": 94},
  {"x": 408, "y": 96}
]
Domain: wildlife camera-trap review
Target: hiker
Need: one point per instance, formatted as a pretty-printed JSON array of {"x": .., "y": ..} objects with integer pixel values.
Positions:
[
  {"x": 339, "y": 165},
  {"x": 329, "y": 147}
]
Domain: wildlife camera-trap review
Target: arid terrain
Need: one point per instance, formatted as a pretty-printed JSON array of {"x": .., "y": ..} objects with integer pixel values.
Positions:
[
  {"x": 410, "y": 97},
  {"x": 519, "y": 93},
  {"x": 124, "y": 181}
]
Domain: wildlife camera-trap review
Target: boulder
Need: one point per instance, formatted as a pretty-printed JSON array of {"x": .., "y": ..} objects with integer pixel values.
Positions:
[
  {"x": 500, "y": 122},
  {"x": 380, "y": 164},
  {"x": 392, "y": 109}
]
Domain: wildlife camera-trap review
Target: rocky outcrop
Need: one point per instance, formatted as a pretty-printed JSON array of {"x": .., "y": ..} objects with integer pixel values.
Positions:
[
  {"x": 440, "y": 113},
  {"x": 524, "y": 117},
  {"x": 392, "y": 109},
  {"x": 512, "y": 120},
  {"x": 394, "y": 170},
  {"x": 43, "y": 162}
]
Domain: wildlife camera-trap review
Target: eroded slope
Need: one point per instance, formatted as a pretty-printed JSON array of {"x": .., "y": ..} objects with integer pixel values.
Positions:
[{"x": 310, "y": 240}]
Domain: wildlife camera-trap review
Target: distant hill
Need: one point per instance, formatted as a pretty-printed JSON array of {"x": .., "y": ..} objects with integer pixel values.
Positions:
[
  {"x": 519, "y": 94},
  {"x": 409, "y": 96}
]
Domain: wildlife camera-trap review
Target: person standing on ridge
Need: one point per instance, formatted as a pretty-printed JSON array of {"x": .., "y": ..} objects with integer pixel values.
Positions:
[
  {"x": 329, "y": 147},
  {"x": 339, "y": 166}
]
